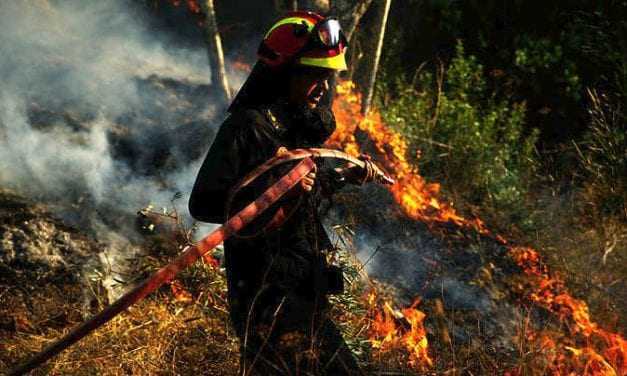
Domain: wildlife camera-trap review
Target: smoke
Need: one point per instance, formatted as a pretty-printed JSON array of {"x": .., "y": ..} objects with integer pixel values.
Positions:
[
  {"x": 407, "y": 255},
  {"x": 98, "y": 116},
  {"x": 72, "y": 77}
]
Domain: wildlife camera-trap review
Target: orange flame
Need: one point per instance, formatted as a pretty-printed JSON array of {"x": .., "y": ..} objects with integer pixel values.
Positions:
[
  {"x": 194, "y": 8},
  {"x": 603, "y": 353},
  {"x": 192, "y": 5},
  {"x": 179, "y": 292},
  {"x": 241, "y": 66},
  {"x": 387, "y": 331},
  {"x": 416, "y": 197}
]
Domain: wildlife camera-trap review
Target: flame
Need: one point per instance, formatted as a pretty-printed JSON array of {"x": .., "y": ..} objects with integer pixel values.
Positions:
[
  {"x": 588, "y": 350},
  {"x": 191, "y": 5},
  {"x": 241, "y": 66},
  {"x": 417, "y": 198},
  {"x": 604, "y": 353},
  {"x": 194, "y": 8},
  {"x": 179, "y": 292},
  {"x": 387, "y": 331}
]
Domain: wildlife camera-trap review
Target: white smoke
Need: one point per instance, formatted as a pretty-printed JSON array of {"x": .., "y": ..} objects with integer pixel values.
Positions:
[
  {"x": 48, "y": 163},
  {"x": 417, "y": 262},
  {"x": 91, "y": 53},
  {"x": 71, "y": 76},
  {"x": 88, "y": 50}
]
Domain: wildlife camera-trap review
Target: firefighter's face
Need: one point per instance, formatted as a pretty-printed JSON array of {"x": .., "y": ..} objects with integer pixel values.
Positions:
[{"x": 308, "y": 85}]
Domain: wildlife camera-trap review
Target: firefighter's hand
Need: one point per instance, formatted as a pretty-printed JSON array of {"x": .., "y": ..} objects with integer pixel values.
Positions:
[
  {"x": 307, "y": 183},
  {"x": 369, "y": 173},
  {"x": 355, "y": 174}
]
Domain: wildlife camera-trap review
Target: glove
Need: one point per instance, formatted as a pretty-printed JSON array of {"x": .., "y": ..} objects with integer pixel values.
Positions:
[{"x": 360, "y": 175}]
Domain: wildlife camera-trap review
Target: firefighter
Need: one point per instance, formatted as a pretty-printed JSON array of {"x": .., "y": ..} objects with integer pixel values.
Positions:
[{"x": 278, "y": 277}]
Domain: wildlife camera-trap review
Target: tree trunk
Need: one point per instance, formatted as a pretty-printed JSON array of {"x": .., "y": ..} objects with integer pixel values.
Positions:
[
  {"x": 352, "y": 18},
  {"x": 351, "y": 15},
  {"x": 365, "y": 107},
  {"x": 219, "y": 79}
]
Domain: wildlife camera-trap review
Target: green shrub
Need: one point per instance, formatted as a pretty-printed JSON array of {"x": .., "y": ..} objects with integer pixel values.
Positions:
[
  {"x": 546, "y": 57},
  {"x": 469, "y": 141}
]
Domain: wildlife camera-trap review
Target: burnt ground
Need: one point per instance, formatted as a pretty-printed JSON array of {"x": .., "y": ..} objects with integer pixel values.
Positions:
[
  {"x": 476, "y": 298},
  {"x": 50, "y": 281}
]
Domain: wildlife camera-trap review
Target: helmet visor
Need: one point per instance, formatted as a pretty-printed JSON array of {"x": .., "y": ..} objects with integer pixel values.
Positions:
[{"x": 330, "y": 32}]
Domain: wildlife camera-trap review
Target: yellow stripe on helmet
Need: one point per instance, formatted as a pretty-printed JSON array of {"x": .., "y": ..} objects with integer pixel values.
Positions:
[
  {"x": 291, "y": 20},
  {"x": 337, "y": 62}
]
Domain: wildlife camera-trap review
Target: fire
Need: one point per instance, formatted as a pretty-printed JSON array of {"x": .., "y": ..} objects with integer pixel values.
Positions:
[
  {"x": 241, "y": 66},
  {"x": 604, "y": 353},
  {"x": 392, "y": 329},
  {"x": 191, "y": 5},
  {"x": 417, "y": 198},
  {"x": 179, "y": 292},
  {"x": 588, "y": 350}
]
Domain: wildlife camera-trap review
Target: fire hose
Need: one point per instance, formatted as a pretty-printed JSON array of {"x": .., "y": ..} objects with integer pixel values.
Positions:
[{"x": 193, "y": 252}]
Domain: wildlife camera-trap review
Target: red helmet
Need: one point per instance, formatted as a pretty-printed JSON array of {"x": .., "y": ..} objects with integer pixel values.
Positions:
[{"x": 305, "y": 38}]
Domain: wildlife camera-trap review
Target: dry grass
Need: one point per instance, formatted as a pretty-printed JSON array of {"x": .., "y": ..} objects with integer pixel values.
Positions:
[
  {"x": 188, "y": 332},
  {"x": 167, "y": 333},
  {"x": 159, "y": 335}
]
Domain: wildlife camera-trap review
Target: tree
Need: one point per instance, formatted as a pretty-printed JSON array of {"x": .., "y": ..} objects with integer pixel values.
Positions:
[
  {"x": 365, "y": 107},
  {"x": 219, "y": 79}
]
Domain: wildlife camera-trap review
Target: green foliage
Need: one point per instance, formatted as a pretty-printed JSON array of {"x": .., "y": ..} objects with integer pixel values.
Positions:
[
  {"x": 534, "y": 56},
  {"x": 543, "y": 53},
  {"x": 469, "y": 141},
  {"x": 599, "y": 40},
  {"x": 539, "y": 59}
]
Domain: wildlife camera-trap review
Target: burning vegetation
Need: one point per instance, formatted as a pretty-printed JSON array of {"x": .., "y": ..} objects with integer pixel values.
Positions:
[
  {"x": 580, "y": 346},
  {"x": 555, "y": 336},
  {"x": 53, "y": 276}
]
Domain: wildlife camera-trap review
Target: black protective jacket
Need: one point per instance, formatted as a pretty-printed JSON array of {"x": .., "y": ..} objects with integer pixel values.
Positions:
[{"x": 287, "y": 260}]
